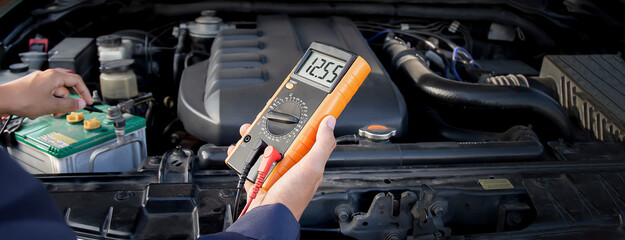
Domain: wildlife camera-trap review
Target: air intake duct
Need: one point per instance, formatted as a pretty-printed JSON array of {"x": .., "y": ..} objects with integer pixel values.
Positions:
[{"x": 477, "y": 96}]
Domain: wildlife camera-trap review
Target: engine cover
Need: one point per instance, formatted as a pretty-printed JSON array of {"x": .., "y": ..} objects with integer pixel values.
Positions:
[{"x": 246, "y": 67}]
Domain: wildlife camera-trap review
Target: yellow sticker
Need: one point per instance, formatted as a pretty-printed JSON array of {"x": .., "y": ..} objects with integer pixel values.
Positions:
[
  {"x": 57, "y": 140},
  {"x": 495, "y": 184}
]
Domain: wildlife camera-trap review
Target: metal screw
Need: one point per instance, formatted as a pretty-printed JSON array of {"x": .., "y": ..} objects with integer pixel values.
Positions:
[
  {"x": 343, "y": 215},
  {"x": 123, "y": 195},
  {"x": 247, "y": 138},
  {"x": 438, "y": 211}
]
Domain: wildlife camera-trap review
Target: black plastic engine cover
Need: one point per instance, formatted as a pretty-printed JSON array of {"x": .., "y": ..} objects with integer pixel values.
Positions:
[{"x": 246, "y": 67}]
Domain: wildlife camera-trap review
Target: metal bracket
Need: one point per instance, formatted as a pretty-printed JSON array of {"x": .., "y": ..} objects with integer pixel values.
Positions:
[
  {"x": 428, "y": 215},
  {"x": 390, "y": 219},
  {"x": 114, "y": 113},
  {"x": 114, "y": 146},
  {"x": 383, "y": 220},
  {"x": 175, "y": 166}
]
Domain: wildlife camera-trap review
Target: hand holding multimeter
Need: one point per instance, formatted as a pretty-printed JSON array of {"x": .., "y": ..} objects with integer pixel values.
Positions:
[
  {"x": 320, "y": 85},
  {"x": 297, "y": 187}
]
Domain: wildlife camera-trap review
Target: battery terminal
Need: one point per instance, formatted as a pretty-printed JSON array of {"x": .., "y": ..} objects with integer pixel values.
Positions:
[
  {"x": 92, "y": 124},
  {"x": 74, "y": 117}
]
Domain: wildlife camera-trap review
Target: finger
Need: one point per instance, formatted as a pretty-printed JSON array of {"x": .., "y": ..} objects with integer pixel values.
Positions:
[
  {"x": 75, "y": 81},
  {"x": 260, "y": 197},
  {"x": 61, "y": 92},
  {"x": 64, "y": 105},
  {"x": 230, "y": 149},
  {"x": 249, "y": 187},
  {"x": 261, "y": 167},
  {"x": 242, "y": 131},
  {"x": 244, "y": 128}
]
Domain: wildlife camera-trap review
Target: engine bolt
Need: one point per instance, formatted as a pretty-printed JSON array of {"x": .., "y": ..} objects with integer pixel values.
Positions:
[
  {"x": 438, "y": 211},
  {"x": 343, "y": 215}
]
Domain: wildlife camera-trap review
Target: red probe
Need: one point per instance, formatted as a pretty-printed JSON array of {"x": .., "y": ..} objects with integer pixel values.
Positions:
[{"x": 270, "y": 156}]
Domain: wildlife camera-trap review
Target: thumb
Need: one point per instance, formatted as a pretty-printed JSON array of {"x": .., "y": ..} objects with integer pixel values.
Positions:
[
  {"x": 324, "y": 143},
  {"x": 67, "y": 104}
]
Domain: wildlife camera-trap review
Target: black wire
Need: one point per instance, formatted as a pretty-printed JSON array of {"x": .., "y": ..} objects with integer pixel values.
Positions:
[
  {"x": 17, "y": 30},
  {"x": 417, "y": 34},
  {"x": 148, "y": 44},
  {"x": 4, "y": 126},
  {"x": 347, "y": 139},
  {"x": 240, "y": 184},
  {"x": 450, "y": 43}
]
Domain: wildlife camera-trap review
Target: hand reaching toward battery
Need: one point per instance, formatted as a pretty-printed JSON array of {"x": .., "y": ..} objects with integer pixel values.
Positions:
[
  {"x": 297, "y": 187},
  {"x": 43, "y": 92}
]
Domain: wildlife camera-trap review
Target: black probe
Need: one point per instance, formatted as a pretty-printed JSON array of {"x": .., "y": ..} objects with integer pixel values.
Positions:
[
  {"x": 240, "y": 184},
  {"x": 253, "y": 157},
  {"x": 91, "y": 108}
]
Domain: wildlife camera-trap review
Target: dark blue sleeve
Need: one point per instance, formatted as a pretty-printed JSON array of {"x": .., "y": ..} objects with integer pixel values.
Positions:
[
  {"x": 273, "y": 221},
  {"x": 26, "y": 209}
]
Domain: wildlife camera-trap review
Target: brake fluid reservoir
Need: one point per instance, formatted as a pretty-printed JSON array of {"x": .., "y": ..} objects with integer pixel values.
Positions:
[
  {"x": 113, "y": 47},
  {"x": 118, "y": 81}
]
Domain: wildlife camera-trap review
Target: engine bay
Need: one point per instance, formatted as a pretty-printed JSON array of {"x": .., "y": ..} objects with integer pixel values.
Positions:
[{"x": 498, "y": 118}]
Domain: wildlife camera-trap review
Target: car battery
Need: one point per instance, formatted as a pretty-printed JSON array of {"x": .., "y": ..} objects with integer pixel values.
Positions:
[{"x": 49, "y": 145}]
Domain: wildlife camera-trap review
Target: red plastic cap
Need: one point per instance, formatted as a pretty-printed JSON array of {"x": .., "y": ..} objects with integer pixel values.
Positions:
[
  {"x": 43, "y": 41},
  {"x": 271, "y": 155}
]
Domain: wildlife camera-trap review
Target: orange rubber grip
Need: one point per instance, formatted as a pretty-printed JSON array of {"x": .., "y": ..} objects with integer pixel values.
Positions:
[{"x": 333, "y": 105}]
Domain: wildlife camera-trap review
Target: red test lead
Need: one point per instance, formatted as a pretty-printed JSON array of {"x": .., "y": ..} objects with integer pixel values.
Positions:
[{"x": 270, "y": 156}]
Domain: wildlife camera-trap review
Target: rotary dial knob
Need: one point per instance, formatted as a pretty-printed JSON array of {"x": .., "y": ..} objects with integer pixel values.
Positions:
[{"x": 282, "y": 119}]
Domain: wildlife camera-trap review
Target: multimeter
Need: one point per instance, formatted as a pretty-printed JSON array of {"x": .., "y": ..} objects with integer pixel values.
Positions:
[{"x": 321, "y": 84}]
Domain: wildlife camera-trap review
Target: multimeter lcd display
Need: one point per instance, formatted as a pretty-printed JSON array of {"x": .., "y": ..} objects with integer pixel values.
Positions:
[{"x": 322, "y": 68}]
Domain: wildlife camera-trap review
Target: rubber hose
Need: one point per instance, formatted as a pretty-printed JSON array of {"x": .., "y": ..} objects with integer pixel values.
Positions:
[
  {"x": 477, "y": 96},
  {"x": 514, "y": 133}
]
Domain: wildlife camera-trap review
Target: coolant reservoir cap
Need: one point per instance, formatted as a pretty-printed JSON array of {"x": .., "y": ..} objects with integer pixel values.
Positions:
[
  {"x": 116, "y": 65},
  {"x": 109, "y": 40},
  {"x": 377, "y": 132}
]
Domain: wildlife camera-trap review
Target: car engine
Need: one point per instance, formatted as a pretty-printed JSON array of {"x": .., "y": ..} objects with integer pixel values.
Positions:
[{"x": 494, "y": 119}]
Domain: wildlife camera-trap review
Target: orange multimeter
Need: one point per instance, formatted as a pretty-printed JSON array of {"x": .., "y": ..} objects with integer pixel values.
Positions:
[{"x": 321, "y": 84}]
